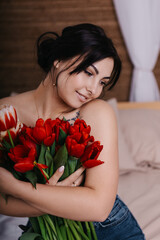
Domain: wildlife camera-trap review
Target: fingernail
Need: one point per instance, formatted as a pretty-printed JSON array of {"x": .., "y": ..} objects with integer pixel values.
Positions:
[{"x": 61, "y": 169}]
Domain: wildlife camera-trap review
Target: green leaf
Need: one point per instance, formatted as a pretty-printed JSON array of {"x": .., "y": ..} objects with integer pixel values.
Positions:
[
  {"x": 61, "y": 156},
  {"x": 51, "y": 170},
  {"x": 41, "y": 158},
  {"x": 6, "y": 145},
  {"x": 35, "y": 224},
  {"x": 62, "y": 137},
  {"x": 49, "y": 160},
  {"x": 52, "y": 148},
  {"x": 32, "y": 177},
  {"x": 40, "y": 177},
  {"x": 38, "y": 149},
  {"x": 31, "y": 236},
  {"x": 72, "y": 163},
  {"x": 17, "y": 175}
]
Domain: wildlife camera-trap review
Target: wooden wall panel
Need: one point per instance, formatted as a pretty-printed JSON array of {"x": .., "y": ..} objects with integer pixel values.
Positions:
[{"x": 22, "y": 21}]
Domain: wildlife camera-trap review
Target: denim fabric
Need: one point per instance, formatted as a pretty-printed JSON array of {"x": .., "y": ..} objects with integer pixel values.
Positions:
[{"x": 120, "y": 224}]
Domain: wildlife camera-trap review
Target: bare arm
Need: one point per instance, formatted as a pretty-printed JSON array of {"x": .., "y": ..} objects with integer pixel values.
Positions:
[
  {"x": 19, "y": 208},
  {"x": 94, "y": 201}
]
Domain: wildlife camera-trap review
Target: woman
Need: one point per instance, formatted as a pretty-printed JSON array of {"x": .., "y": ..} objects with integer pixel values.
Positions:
[{"x": 78, "y": 65}]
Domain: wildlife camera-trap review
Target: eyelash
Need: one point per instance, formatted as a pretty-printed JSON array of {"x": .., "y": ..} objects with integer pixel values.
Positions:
[
  {"x": 88, "y": 73},
  {"x": 104, "y": 84}
]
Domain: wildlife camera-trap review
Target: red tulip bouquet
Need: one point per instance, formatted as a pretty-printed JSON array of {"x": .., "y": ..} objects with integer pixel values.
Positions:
[{"x": 33, "y": 154}]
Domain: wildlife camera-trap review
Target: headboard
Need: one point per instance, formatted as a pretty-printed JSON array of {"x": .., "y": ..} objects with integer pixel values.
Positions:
[{"x": 139, "y": 105}]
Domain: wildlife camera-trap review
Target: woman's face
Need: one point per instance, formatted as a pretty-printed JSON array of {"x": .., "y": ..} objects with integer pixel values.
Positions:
[{"x": 78, "y": 89}]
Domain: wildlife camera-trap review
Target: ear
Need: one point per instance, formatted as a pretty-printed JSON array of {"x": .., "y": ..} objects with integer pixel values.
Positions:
[{"x": 56, "y": 63}]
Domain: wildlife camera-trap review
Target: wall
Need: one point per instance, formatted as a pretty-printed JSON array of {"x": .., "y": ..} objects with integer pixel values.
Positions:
[{"x": 22, "y": 21}]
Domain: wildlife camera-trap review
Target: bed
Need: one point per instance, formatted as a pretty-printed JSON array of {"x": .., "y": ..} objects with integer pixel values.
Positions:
[{"x": 139, "y": 162}]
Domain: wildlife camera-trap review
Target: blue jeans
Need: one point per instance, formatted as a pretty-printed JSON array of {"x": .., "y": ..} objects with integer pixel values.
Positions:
[{"x": 120, "y": 224}]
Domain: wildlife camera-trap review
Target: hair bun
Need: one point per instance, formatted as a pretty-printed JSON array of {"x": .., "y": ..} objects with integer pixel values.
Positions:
[{"x": 46, "y": 49}]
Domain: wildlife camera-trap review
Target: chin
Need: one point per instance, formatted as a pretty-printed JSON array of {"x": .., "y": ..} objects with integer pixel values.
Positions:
[{"x": 75, "y": 105}]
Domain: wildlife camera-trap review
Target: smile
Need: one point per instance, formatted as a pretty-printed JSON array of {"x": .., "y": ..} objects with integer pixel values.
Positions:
[{"x": 81, "y": 97}]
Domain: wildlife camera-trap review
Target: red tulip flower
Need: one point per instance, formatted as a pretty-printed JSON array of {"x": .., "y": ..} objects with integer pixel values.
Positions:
[
  {"x": 89, "y": 158},
  {"x": 81, "y": 127},
  {"x": 42, "y": 132},
  {"x": 74, "y": 148},
  {"x": 58, "y": 124},
  {"x": 9, "y": 122},
  {"x": 25, "y": 159}
]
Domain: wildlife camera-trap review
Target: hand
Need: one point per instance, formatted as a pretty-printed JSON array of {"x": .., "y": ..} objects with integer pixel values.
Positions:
[{"x": 75, "y": 179}]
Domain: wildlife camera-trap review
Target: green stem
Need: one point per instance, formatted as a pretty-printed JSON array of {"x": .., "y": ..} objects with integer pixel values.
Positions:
[
  {"x": 45, "y": 173},
  {"x": 88, "y": 230},
  {"x": 67, "y": 229},
  {"x": 50, "y": 223},
  {"x": 58, "y": 230},
  {"x": 74, "y": 227},
  {"x": 81, "y": 231},
  {"x": 42, "y": 227},
  {"x": 93, "y": 231},
  {"x": 49, "y": 230},
  {"x": 10, "y": 138},
  {"x": 63, "y": 231},
  {"x": 80, "y": 225}
]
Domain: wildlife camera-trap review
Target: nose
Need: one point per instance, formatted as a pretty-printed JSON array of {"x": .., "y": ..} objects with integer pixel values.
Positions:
[{"x": 91, "y": 87}]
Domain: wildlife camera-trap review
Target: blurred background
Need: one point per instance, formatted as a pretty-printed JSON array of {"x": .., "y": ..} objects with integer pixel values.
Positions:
[{"x": 21, "y": 23}]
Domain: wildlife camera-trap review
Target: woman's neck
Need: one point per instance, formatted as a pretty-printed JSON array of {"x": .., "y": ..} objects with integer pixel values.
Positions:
[{"x": 47, "y": 102}]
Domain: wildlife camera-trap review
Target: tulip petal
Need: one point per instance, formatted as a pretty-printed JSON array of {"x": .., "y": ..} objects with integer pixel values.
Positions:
[
  {"x": 42, "y": 165},
  {"x": 40, "y": 122},
  {"x": 39, "y": 133},
  {"x": 23, "y": 167},
  {"x": 92, "y": 163},
  {"x": 49, "y": 140}
]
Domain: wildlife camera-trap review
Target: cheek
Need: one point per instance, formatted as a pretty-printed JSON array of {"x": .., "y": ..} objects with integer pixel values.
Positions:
[
  {"x": 99, "y": 92},
  {"x": 74, "y": 82}
]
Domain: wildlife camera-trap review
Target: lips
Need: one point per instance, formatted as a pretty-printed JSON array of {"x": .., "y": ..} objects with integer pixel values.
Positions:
[{"x": 82, "y": 97}]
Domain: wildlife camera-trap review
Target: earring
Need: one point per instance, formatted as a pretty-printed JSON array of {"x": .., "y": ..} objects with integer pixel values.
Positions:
[{"x": 54, "y": 84}]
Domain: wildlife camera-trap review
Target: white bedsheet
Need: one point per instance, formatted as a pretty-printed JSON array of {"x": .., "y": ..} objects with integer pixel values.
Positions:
[{"x": 141, "y": 192}]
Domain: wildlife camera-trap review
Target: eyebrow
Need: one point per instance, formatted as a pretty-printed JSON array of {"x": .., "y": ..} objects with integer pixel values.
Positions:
[{"x": 97, "y": 72}]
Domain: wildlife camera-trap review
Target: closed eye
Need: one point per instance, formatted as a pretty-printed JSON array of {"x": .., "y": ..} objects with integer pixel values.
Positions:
[
  {"x": 88, "y": 73},
  {"x": 104, "y": 83}
]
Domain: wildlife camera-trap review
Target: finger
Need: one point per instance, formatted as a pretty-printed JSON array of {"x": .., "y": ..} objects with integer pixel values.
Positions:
[
  {"x": 72, "y": 178},
  {"x": 79, "y": 180},
  {"x": 56, "y": 176}
]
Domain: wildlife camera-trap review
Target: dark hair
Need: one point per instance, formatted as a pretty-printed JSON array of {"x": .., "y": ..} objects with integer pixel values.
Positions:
[{"x": 84, "y": 40}]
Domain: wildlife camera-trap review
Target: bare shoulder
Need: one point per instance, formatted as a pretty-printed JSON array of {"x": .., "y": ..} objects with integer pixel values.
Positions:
[
  {"x": 23, "y": 103},
  {"x": 96, "y": 110},
  {"x": 17, "y": 100}
]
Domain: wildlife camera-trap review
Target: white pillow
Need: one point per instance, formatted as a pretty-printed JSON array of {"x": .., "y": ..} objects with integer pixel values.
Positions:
[
  {"x": 126, "y": 161},
  {"x": 141, "y": 129}
]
